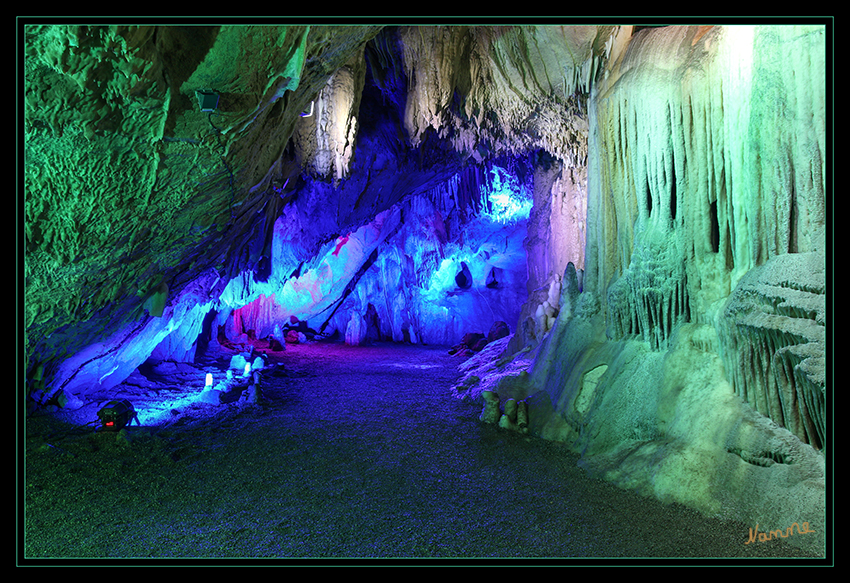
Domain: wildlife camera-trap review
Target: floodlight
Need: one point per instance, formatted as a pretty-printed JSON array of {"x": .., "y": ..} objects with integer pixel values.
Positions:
[
  {"x": 115, "y": 415},
  {"x": 207, "y": 100}
]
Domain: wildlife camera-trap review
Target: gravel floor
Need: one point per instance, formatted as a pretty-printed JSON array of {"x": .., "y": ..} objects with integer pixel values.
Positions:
[{"x": 359, "y": 453}]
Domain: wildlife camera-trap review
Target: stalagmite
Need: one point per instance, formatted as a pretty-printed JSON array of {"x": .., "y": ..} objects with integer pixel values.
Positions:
[
  {"x": 491, "y": 413},
  {"x": 522, "y": 416}
]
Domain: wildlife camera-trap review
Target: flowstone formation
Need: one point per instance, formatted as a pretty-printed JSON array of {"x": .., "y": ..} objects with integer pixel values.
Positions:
[
  {"x": 651, "y": 297},
  {"x": 774, "y": 343},
  {"x": 690, "y": 366}
]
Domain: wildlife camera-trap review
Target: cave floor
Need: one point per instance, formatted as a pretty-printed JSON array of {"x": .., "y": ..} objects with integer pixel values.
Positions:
[{"x": 358, "y": 453}]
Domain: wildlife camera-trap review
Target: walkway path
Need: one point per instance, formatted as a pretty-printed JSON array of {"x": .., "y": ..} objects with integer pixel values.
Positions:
[{"x": 360, "y": 453}]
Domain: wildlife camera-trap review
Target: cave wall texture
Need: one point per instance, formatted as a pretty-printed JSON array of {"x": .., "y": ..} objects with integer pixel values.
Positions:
[{"x": 660, "y": 256}]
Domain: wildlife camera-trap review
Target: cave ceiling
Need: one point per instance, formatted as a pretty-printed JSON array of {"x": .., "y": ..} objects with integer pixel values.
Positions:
[{"x": 132, "y": 191}]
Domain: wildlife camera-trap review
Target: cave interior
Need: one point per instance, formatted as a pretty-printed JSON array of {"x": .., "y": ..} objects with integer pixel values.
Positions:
[{"x": 624, "y": 228}]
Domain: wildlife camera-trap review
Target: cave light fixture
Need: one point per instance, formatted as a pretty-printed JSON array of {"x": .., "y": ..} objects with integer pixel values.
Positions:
[
  {"x": 116, "y": 415},
  {"x": 207, "y": 100}
]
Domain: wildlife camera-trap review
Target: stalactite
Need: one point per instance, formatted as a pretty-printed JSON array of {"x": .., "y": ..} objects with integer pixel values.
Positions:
[{"x": 699, "y": 129}]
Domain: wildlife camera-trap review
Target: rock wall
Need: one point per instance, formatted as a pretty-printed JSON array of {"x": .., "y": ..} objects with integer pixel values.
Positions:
[
  {"x": 407, "y": 275},
  {"x": 131, "y": 189}
]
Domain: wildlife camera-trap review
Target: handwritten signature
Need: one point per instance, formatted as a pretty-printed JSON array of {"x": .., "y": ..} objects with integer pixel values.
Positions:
[{"x": 770, "y": 535}]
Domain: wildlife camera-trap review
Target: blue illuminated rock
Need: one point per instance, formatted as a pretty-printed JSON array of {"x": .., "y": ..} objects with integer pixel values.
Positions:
[{"x": 225, "y": 392}]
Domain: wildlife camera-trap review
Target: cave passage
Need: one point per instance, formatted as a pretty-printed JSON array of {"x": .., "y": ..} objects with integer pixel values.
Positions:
[
  {"x": 310, "y": 297},
  {"x": 358, "y": 452}
]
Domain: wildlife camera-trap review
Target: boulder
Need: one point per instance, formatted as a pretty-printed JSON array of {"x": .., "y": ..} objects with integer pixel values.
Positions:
[
  {"x": 259, "y": 362},
  {"x": 68, "y": 401},
  {"x": 470, "y": 338},
  {"x": 499, "y": 329},
  {"x": 479, "y": 345},
  {"x": 506, "y": 423},
  {"x": 238, "y": 361}
]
